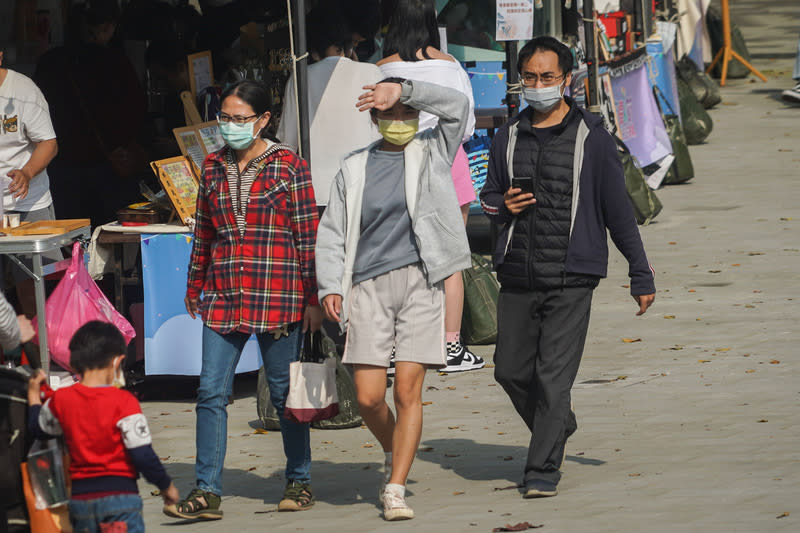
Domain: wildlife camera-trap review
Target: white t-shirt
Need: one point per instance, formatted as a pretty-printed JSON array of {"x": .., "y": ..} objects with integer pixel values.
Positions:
[
  {"x": 25, "y": 121},
  {"x": 441, "y": 72}
]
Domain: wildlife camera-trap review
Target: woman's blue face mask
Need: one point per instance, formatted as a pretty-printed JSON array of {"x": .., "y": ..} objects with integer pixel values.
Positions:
[{"x": 238, "y": 136}]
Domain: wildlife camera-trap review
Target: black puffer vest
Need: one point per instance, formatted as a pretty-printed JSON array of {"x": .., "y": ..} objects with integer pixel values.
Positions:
[{"x": 538, "y": 249}]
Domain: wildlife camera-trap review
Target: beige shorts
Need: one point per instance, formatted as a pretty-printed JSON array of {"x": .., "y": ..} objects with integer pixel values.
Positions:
[{"x": 397, "y": 309}]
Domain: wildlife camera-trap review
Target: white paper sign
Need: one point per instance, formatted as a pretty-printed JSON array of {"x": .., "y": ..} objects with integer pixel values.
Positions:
[{"x": 514, "y": 20}]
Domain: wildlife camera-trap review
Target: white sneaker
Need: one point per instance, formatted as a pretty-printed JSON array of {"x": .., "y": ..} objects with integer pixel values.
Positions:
[
  {"x": 462, "y": 360},
  {"x": 395, "y": 506},
  {"x": 792, "y": 95}
]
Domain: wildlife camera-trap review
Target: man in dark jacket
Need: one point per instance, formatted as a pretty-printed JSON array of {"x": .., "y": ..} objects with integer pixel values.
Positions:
[{"x": 554, "y": 185}]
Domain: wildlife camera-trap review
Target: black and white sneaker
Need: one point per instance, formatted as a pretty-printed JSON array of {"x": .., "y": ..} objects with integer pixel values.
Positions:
[
  {"x": 461, "y": 360},
  {"x": 390, "y": 370}
]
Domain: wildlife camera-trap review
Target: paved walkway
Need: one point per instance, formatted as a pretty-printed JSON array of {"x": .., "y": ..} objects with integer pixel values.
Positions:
[{"x": 693, "y": 427}]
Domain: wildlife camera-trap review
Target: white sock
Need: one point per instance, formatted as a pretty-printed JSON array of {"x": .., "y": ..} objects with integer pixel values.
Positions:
[{"x": 400, "y": 490}]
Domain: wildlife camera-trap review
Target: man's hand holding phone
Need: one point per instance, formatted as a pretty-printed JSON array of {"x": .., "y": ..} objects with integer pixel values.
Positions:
[{"x": 520, "y": 195}]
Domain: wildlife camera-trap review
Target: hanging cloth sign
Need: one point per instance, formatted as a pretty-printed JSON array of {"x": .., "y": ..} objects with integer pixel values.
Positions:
[
  {"x": 639, "y": 122},
  {"x": 514, "y": 20}
]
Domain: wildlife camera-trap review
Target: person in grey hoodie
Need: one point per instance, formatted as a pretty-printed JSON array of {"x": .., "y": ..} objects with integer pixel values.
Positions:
[{"x": 391, "y": 234}]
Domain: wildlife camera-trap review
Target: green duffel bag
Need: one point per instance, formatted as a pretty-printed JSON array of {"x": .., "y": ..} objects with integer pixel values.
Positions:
[
  {"x": 646, "y": 204},
  {"x": 682, "y": 169},
  {"x": 348, "y": 416},
  {"x": 696, "y": 121},
  {"x": 704, "y": 88},
  {"x": 735, "y": 67},
  {"x": 479, "y": 319}
]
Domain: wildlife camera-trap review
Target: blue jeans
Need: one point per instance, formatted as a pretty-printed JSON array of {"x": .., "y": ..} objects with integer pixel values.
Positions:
[
  {"x": 99, "y": 514},
  {"x": 220, "y": 356}
]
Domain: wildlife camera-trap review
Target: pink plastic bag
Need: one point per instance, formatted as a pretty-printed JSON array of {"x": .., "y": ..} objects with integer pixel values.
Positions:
[{"x": 75, "y": 301}]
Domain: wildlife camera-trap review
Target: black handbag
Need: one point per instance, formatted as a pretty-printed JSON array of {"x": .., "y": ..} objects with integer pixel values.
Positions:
[
  {"x": 681, "y": 170},
  {"x": 348, "y": 416},
  {"x": 714, "y": 23},
  {"x": 696, "y": 121},
  {"x": 481, "y": 291},
  {"x": 646, "y": 205},
  {"x": 704, "y": 88}
]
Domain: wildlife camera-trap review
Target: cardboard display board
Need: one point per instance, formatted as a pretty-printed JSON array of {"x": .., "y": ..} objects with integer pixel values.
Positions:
[
  {"x": 180, "y": 182},
  {"x": 199, "y": 140},
  {"x": 201, "y": 72}
]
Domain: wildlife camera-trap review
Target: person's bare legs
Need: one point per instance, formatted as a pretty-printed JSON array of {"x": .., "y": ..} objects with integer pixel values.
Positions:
[
  {"x": 408, "y": 429},
  {"x": 454, "y": 293},
  {"x": 370, "y": 384}
]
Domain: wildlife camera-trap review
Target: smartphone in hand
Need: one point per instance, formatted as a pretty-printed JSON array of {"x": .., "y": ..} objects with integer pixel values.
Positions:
[{"x": 522, "y": 182}]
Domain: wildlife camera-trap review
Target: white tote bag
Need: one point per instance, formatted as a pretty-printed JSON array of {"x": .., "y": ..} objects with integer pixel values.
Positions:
[{"x": 312, "y": 384}]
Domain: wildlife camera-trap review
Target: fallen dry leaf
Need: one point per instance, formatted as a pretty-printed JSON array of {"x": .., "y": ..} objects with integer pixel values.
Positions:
[
  {"x": 672, "y": 242},
  {"x": 368, "y": 445},
  {"x": 426, "y": 449},
  {"x": 692, "y": 290},
  {"x": 508, "y": 458},
  {"x": 723, "y": 349},
  {"x": 260, "y": 431},
  {"x": 774, "y": 362},
  {"x": 451, "y": 388},
  {"x": 453, "y": 427},
  {"x": 783, "y": 515},
  {"x": 755, "y": 253},
  {"x": 626, "y": 339},
  {"x": 165, "y": 458},
  {"x": 426, "y": 403},
  {"x": 714, "y": 271},
  {"x": 669, "y": 317},
  {"x": 522, "y": 526},
  {"x": 327, "y": 442},
  {"x": 703, "y": 360},
  {"x": 251, "y": 468},
  {"x": 458, "y": 493},
  {"x": 452, "y": 455},
  {"x": 748, "y": 306},
  {"x": 164, "y": 414},
  {"x": 787, "y": 218},
  {"x": 749, "y": 371},
  {"x": 635, "y": 474},
  {"x": 763, "y": 420},
  {"x": 431, "y": 387},
  {"x": 501, "y": 432}
]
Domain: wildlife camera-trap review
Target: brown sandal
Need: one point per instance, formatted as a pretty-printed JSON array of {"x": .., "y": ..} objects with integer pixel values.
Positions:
[
  {"x": 199, "y": 505},
  {"x": 296, "y": 497}
]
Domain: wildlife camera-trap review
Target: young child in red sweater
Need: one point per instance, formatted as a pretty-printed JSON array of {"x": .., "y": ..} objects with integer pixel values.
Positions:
[{"x": 105, "y": 432}]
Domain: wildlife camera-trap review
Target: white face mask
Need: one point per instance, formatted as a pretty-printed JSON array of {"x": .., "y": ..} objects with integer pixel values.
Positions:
[{"x": 543, "y": 99}]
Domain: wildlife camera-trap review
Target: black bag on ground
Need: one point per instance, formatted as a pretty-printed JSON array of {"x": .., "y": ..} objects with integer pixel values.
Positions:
[
  {"x": 646, "y": 205},
  {"x": 481, "y": 290},
  {"x": 14, "y": 446},
  {"x": 345, "y": 389},
  {"x": 696, "y": 121},
  {"x": 682, "y": 169},
  {"x": 704, "y": 88},
  {"x": 735, "y": 68}
]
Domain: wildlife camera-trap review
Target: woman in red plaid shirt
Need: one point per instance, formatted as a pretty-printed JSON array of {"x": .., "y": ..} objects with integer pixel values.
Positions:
[{"x": 253, "y": 260}]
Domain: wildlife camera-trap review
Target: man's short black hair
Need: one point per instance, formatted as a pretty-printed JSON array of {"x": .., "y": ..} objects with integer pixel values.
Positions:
[
  {"x": 94, "y": 345},
  {"x": 326, "y": 26},
  {"x": 542, "y": 44}
]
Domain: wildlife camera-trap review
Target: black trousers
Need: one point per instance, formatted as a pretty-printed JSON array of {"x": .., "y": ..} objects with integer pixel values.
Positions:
[{"x": 540, "y": 339}]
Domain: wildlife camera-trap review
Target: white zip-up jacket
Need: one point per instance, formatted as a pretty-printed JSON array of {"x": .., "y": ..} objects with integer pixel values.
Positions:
[{"x": 436, "y": 218}]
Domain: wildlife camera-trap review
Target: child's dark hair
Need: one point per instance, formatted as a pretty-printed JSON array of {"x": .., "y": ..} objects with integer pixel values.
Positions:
[
  {"x": 94, "y": 345},
  {"x": 394, "y": 79},
  {"x": 255, "y": 95}
]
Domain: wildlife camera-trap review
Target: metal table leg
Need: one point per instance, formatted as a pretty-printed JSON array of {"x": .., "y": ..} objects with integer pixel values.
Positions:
[{"x": 38, "y": 283}]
